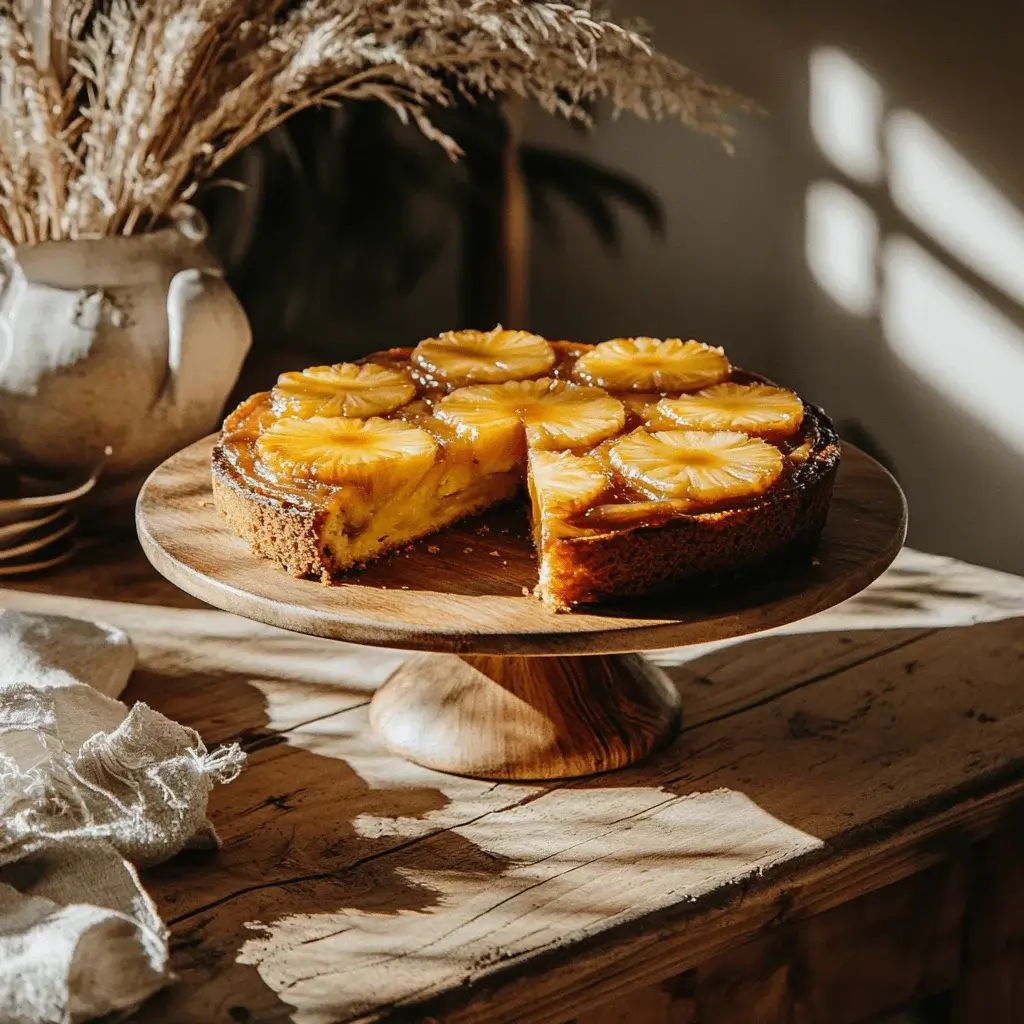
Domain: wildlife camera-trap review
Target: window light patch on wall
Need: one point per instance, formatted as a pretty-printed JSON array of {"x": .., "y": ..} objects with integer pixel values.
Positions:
[
  {"x": 846, "y": 109},
  {"x": 939, "y": 191},
  {"x": 954, "y": 340},
  {"x": 842, "y": 246}
]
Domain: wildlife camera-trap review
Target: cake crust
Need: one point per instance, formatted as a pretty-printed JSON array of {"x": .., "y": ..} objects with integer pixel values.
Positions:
[{"x": 272, "y": 527}]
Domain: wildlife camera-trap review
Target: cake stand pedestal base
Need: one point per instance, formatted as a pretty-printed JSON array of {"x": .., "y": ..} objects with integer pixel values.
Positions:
[{"x": 506, "y": 718}]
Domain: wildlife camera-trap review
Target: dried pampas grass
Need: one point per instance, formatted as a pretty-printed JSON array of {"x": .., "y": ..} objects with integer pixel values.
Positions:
[{"x": 114, "y": 111}]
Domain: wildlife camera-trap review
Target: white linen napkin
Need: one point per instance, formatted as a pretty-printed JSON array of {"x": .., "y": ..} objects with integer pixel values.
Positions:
[{"x": 88, "y": 791}]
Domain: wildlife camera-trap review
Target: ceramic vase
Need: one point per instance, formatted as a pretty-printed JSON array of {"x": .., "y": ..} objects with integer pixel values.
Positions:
[{"x": 131, "y": 343}]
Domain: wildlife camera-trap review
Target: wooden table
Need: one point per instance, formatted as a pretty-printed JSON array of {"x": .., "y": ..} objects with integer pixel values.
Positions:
[{"x": 838, "y": 832}]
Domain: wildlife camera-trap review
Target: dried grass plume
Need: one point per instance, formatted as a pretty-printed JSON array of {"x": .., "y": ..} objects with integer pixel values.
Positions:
[{"x": 114, "y": 111}]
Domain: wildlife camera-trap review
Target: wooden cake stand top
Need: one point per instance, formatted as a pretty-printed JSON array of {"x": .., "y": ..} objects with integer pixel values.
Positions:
[{"x": 462, "y": 591}]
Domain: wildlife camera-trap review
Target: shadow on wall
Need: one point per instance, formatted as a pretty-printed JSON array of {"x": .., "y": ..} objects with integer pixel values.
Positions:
[{"x": 907, "y": 237}]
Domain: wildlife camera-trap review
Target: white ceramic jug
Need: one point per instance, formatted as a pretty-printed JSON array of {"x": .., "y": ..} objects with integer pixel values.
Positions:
[
  {"x": 132, "y": 343},
  {"x": 10, "y": 291}
]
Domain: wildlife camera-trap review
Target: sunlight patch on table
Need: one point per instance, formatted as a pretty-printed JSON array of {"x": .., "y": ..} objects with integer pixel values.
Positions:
[{"x": 580, "y": 860}]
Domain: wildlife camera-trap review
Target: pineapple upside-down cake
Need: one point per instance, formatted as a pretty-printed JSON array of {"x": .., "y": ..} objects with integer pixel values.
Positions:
[{"x": 648, "y": 463}]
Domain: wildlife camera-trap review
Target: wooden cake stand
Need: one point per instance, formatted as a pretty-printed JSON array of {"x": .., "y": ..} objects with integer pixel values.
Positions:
[{"x": 489, "y": 706}]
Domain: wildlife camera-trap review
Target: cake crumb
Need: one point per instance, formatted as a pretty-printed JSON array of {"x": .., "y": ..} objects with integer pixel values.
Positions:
[
  {"x": 483, "y": 530},
  {"x": 526, "y": 591},
  {"x": 467, "y": 551},
  {"x": 494, "y": 554},
  {"x": 432, "y": 549},
  {"x": 504, "y": 562}
]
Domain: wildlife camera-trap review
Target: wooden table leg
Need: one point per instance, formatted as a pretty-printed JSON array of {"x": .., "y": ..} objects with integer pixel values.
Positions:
[{"x": 991, "y": 985}]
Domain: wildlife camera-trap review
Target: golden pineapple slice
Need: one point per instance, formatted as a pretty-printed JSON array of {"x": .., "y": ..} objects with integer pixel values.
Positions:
[
  {"x": 638, "y": 513},
  {"x": 757, "y": 409},
  {"x": 487, "y": 416},
  {"x": 572, "y": 416},
  {"x": 556, "y": 414},
  {"x": 484, "y": 357},
  {"x": 345, "y": 389},
  {"x": 647, "y": 364},
  {"x": 246, "y": 422},
  {"x": 376, "y": 453},
  {"x": 704, "y": 466},
  {"x": 565, "y": 484}
]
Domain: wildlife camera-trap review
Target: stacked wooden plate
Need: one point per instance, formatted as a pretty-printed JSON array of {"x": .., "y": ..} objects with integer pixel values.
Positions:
[{"x": 38, "y": 521}]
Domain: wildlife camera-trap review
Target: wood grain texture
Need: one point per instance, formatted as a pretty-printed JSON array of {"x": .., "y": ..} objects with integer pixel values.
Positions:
[
  {"x": 525, "y": 718},
  {"x": 835, "y": 760},
  {"x": 368, "y": 891},
  {"x": 858, "y": 963},
  {"x": 462, "y": 590}
]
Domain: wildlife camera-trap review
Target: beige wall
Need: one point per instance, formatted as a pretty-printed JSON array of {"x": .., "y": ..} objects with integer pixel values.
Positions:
[{"x": 733, "y": 269}]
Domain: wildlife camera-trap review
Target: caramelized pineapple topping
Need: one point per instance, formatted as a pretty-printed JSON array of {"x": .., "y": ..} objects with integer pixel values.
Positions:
[
  {"x": 345, "y": 389},
  {"x": 706, "y": 467},
  {"x": 484, "y": 357},
  {"x": 647, "y": 364},
  {"x": 566, "y": 484},
  {"x": 757, "y": 409},
  {"x": 557, "y": 415},
  {"x": 334, "y": 450}
]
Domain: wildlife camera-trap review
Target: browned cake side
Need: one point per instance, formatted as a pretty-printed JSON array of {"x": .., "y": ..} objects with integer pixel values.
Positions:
[
  {"x": 697, "y": 549},
  {"x": 276, "y": 529}
]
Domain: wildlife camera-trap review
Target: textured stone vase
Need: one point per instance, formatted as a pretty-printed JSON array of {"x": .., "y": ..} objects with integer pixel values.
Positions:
[{"x": 131, "y": 343}]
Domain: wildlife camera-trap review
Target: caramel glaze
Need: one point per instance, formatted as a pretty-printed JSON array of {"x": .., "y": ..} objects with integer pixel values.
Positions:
[{"x": 815, "y": 440}]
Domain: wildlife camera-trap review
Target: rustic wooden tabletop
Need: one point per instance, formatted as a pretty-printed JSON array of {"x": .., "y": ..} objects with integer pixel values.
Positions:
[{"x": 835, "y": 835}]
